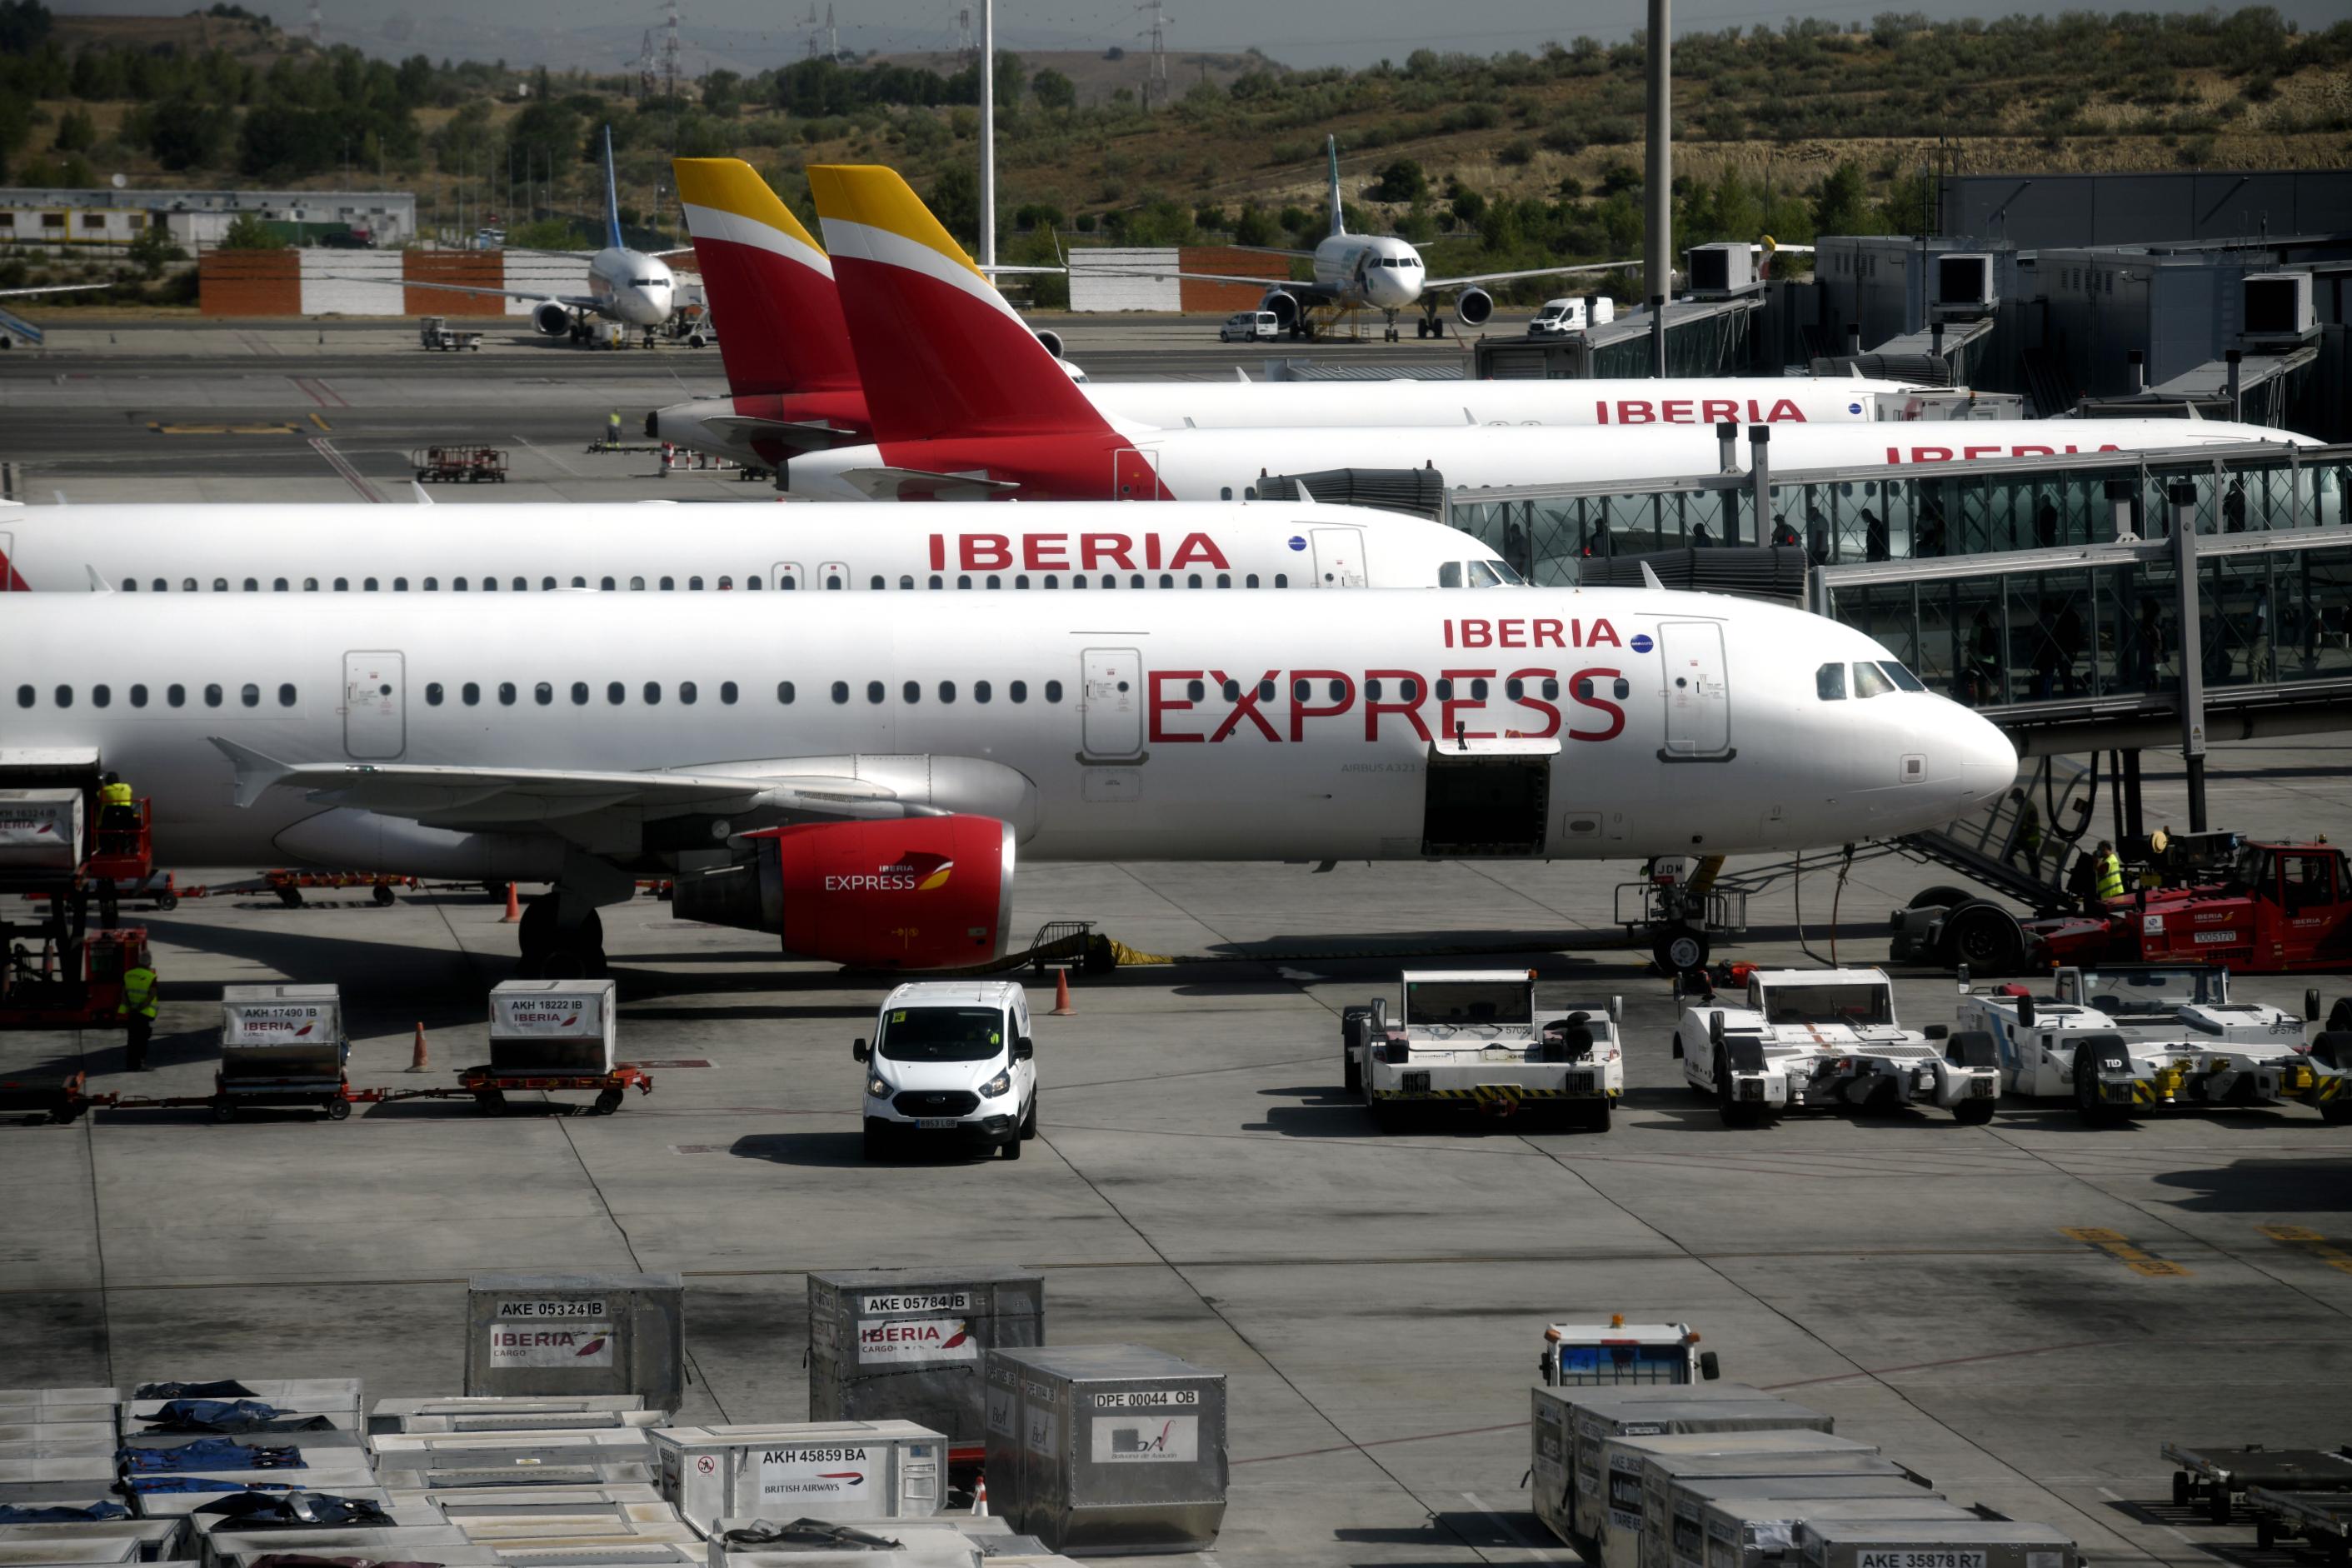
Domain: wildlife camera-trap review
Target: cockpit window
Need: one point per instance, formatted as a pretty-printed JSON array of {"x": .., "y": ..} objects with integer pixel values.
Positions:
[
  {"x": 1901, "y": 677},
  {"x": 646, "y": 283},
  {"x": 1829, "y": 682},
  {"x": 1484, "y": 575},
  {"x": 1504, "y": 573},
  {"x": 1449, "y": 574},
  {"x": 1869, "y": 680}
]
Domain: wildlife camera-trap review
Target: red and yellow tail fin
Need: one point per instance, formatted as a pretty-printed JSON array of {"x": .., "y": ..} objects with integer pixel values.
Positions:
[
  {"x": 941, "y": 352},
  {"x": 770, "y": 286}
]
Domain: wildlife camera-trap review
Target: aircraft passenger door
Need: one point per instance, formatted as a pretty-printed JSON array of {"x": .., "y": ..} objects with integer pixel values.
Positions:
[
  {"x": 1338, "y": 557},
  {"x": 1698, "y": 692},
  {"x": 375, "y": 723},
  {"x": 790, "y": 575},
  {"x": 1134, "y": 474},
  {"x": 1110, "y": 702},
  {"x": 832, "y": 574}
]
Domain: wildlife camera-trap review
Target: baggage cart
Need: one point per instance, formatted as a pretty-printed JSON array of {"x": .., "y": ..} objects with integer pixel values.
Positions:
[
  {"x": 2210, "y": 1475},
  {"x": 434, "y": 334},
  {"x": 1633, "y": 1473},
  {"x": 422, "y": 1544},
  {"x": 1675, "y": 1507},
  {"x": 426, "y": 1472},
  {"x": 1107, "y": 1450},
  {"x": 1568, "y": 1425},
  {"x": 152, "y": 1540},
  {"x": 615, "y": 1553},
  {"x": 553, "y": 1035},
  {"x": 1955, "y": 1543},
  {"x": 282, "y": 1045},
  {"x": 300, "y": 1395},
  {"x": 459, "y": 464},
  {"x": 2321, "y": 1521},
  {"x": 771, "y": 1544},
  {"x": 1744, "y": 1530},
  {"x": 190, "y": 1505},
  {"x": 510, "y": 1412},
  {"x": 831, "y": 1469}
]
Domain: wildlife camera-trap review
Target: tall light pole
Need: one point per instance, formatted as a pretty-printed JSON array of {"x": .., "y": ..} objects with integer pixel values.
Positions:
[
  {"x": 988, "y": 132},
  {"x": 1658, "y": 238}
]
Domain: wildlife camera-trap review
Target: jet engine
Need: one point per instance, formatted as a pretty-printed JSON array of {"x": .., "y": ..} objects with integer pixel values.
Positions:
[
  {"x": 1285, "y": 306},
  {"x": 552, "y": 318},
  {"x": 1051, "y": 338},
  {"x": 1474, "y": 306},
  {"x": 926, "y": 893}
]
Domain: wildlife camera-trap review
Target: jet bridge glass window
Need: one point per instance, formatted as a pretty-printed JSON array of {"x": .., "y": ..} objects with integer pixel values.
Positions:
[
  {"x": 1869, "y": 680},
  {"x": 1829, "y": 683}
]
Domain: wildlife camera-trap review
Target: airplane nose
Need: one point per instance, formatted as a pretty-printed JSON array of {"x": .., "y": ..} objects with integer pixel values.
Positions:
[{"x": 1988, "y": 762}]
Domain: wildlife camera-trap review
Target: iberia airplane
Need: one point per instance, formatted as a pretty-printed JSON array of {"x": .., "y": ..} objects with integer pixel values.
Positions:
[
  {"x": 966, "y": 405},
  {"x": 794, "y": 384},
  {"x": 862, "y": 783}
]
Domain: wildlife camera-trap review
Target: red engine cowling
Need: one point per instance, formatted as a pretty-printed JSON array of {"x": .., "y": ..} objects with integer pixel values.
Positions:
[{"x": 926, "y": 893}]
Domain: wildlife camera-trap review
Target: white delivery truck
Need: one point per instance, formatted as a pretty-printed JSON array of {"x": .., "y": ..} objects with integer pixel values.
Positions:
[
  {"x": 1560, "y": 317},
  {"x": 1587, "y": 1355},
  {"x": 950, "y": 1061},
  {"x": 1475, "y": 1038},
  {"x": 1820, "y": 1038},
  {"x": 2137, "y": 1037}
]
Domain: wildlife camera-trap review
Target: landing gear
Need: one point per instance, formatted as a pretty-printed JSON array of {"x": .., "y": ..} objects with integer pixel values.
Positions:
[
  {"x": 1431, "y": 325},
  {"x": 1679, "y": 949},
  {"x": 1391, "y": 334},
  {"x": 553, "y": 949}
]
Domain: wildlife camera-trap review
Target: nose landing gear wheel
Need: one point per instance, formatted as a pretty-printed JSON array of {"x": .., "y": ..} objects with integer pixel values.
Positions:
[{"x": 1679, "y": 949}]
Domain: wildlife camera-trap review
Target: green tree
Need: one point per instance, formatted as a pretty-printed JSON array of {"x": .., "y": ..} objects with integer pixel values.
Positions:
[
  {"x": 955, "y": 201},
  {"x": 24, "y": 27},
  {"x": 1052, "y": 89},
  {"x": 1012, "y": 78},
  {"x": 154, "y": 250},
  {"x": 722, "y": 91},
  {"x": 248, "y": 232},
  {"x": 1844, "y": 204},
  {"x": 182, "y": 133},
  {"x": 547, "y": 233},
  {"x": 1253, "y": 228},
  {"x": 77, "y": 133},
  {"x": 1401, "y": 181}
]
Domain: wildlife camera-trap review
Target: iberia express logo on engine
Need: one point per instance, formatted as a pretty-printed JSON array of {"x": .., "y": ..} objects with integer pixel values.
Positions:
[{"x": 916, "y": 871}]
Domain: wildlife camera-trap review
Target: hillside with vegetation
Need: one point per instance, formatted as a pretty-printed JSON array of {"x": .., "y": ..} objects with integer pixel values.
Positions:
[{"x": 1510, "y": 160}]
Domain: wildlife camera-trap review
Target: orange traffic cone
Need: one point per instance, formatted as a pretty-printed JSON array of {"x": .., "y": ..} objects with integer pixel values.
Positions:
[
  {"x": 980, "y": 1497},
  {"x": 417, "y": 1060},
  {"x": 1062, "y": 1008},
  {"x": 514, "y": 908}
]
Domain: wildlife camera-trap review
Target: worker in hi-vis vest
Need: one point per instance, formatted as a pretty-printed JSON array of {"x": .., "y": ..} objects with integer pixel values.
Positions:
[{"x": 137, "y": 1010}]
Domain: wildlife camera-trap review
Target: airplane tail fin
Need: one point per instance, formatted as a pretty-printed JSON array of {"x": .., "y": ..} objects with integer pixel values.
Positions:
[
  {"x": 612, "y": 196},
  {"x": 1338, "y": 221},
  {"x": 770, "y": 287},
  {"x": 940, "y": 352}
]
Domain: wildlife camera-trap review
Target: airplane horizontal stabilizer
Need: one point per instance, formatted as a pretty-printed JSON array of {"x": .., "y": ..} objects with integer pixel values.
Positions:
[{"x": 903, "y": 484}]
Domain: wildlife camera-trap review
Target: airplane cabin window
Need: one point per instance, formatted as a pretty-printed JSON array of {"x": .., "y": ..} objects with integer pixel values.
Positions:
[
  {"x": 784, "y": 693},
  {"x": 877, "y": 580},
  {"x": 1136, "y": 581},
  {"x": 580, "y": 582},
  {"x": 694, "y": 584},
  {"x": 1302, "y": 691},
  {"x": 1372, "y": 690},
  {"x": 963, "y": 580},
  {"x": 605, "y": 583},
  {"x": 432, "y": 584},
  {"x": 653, "y": 693},
  {"x": 832, "y": 580},
  {"x": 1282, "y": 579},
  {"x": 367, "y": 585},
  {"x": 1018, "y": 690},
  {"x": 175, "y": 696},
  {"x": 1444, "y": 689},
  {"x": 726, "y": 692},
  {"x": 669, "y": 584},
  {"x": 1869, "y": 680},
  {"x": 1196, "y": 689},
  {"x": 1515, "y": 689},
  {"x": 1077, "y": 580},
  {"x": 1449, "y": 574},
  {"x": 980, "y": 691},
  {"x": 343, "y": 585},
  {"x": 688, "y": 691},
  {"x": 841, "y": 691},
  {"x": 546, "y": 585},
  {"x": 1551, "y": 687},
  {"x": 946, "y": 690},
  {"x": 471, "y": 693},
  {"x": 489, "y": 584},
  {"x": 25, "y": 696},
  {"x": 212, "y": 696},
  {"x": 1052, "y": 691},
  {"x": 725, "y": 583},
  {"x": 506, "y": 693},
  {"x": 1250, "y": 581},
  {"x": 615, "y": 693},
  {"x": 913, "y": 692},
  {"x": 187, "y": 584},
  {"x": 1477, "y": 692},
  {"x": 1052, "y": 581},
  {"x": 873, "y": 691},
  {"x": 100, "y": 696},
  {"x": 1231, "y": 690},
  {"x": 905, "y": 580},
  {"x": 1225, "y": 579},
  {"x": 580, "y": 694},
  {"x": 130, "y": 584},
  {"x": 249, "y": 694},
  {"x": 432, "y": 694},
  {"x": 1902, "y": 676},
  {"x": 220, "y": 585},
  {"x": 1021, "y": 581},
  {"x": 64, "y": 696},
  {"x": 1266, "y": 691},
  {"x": 636, "y": 584},
  {"x": 252, "y": 586},
  {"x": 1224, "y": 492},
  {"x": 160, "y": 585},
  {"x": 139, "y": 697},
  {"x": 994, "y": 581},
  {"x": 1829, "y": 683},
  {"x": 1409, "y": 689},
  {"x": 543, "y": 693},
  {"x": 751, "y": 582},
  {"x": 400, "y": 584},
  {"x": 1192, "y": 580},
  {"x": 457, "y": 584}
]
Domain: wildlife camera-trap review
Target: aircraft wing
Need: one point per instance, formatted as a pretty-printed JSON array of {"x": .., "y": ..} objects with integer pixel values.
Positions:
[
  {"x": 572, "y": 302},
  {"x": 1475, "y": 278},
  {"x": 482, "y": 799},
  {"x": 51, "y": 288},
  {"x": 1304, "y": 290},
  {"x": 901, "y": 484}
]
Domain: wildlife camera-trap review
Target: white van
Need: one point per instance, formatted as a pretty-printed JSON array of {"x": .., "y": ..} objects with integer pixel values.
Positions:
[
  {"x": 1250, "y": 327},
  {"x": 951, "y": 1059},
  {"x": 1560, "y": 317}
]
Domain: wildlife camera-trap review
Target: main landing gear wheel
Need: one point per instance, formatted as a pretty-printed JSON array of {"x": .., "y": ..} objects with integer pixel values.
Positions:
[{"x": 1679, "y": 949}]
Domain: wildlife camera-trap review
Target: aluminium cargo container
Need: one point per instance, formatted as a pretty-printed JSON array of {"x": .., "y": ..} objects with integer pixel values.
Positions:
[
  {"x": 540, "y": 1334},
  {"x": 822, "y": 1469}
]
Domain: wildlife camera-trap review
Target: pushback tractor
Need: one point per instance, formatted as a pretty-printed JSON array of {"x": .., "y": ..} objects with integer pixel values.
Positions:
[
  {"x": 1827, "y": 1038},
  {"x": 1474, "y": 1039}
]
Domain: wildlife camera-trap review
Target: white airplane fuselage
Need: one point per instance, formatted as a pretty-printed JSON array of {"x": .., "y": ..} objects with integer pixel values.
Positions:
[
  {"x": 544, "y": 546},
  {"x": 1375, "y": 270},
  {"x": 631, "y": 287},
  {"x": 1147, "y": 726},
  {"x": 1208, "y": 464}
]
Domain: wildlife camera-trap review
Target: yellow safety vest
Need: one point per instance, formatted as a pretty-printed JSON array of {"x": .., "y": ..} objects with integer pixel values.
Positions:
[
  {"x": 114, "y": 795},
  {"x": 138, "y": 991},
  {"x": 2111, "y": 878}
]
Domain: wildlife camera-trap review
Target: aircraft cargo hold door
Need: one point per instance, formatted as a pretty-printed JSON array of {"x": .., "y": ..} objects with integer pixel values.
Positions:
[
  {"x": 1698, "y": 692},
  {"x": 375, "y": 725}
]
